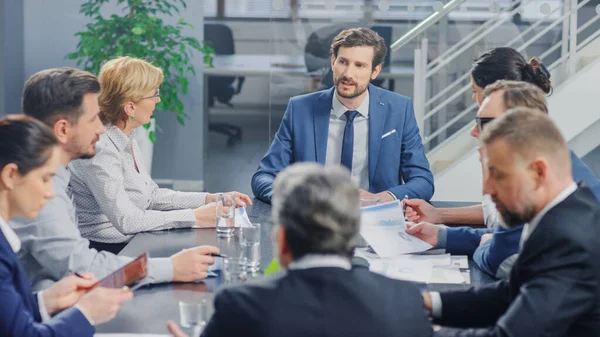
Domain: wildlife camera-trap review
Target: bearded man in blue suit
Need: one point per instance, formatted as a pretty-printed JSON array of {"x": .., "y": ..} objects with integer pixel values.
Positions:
[{"x": 371, "y": 131}]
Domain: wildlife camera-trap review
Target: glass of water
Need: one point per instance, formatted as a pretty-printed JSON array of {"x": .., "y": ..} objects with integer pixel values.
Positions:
[
  {"x": 194, "y": 315},
  {"x": 250, "y": 241},
  {"x": 233, "y": 270},
  {"x": 369, "y": 201},
  {"x": 225, "y": 214}
]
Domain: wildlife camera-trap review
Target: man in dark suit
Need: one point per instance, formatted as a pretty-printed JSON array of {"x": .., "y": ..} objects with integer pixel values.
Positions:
[
  {"x": 320, "y": 294},
  {"x": 371, "y": 131},
  {"x": 553, "y": 289}
]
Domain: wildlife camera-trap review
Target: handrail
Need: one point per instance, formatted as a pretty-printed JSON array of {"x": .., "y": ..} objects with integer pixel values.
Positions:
[
  {"x": 471, "y": 35},
  {"x": 425, "y": 24}
]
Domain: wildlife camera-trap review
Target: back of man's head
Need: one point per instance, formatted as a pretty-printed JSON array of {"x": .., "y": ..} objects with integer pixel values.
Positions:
[
  {"x": 518, "y": 94},
  {"x": 318, "y": 208},
  {"x": 530, "y": 134},
  {"x": 53, "y": 94}
]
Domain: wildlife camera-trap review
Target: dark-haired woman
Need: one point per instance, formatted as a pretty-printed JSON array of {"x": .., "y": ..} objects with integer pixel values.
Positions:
[
  {"x": 28, "y": 160},
  {"x": 507, "y": 64}
]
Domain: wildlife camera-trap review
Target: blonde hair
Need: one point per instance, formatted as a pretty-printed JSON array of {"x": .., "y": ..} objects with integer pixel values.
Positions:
[{"x": 122, "y": 80}]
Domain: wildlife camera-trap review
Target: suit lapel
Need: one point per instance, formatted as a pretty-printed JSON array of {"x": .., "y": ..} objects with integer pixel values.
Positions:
[
  {"x": 377, "y": 115},
  {"x": 321, "y": 113}
]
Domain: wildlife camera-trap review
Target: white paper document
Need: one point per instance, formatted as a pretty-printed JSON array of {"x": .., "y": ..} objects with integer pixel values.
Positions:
[
  {"x": 460, "y": 261},
  {"x": 383, "y": 227},
  {"x": 447, "y": 275},
  {"x": 128, "y": 335},
  {"x": 415, "y": 271}
]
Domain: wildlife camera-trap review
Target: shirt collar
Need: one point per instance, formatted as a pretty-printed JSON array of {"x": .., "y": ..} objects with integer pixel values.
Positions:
[
  {"x": 338, "y": 109},
  {"x": 531, "y": 226},
  {"x": 321, "y": 261},
  {"x": 10, "y": 235},
  {"x": 116, "y": 135}
]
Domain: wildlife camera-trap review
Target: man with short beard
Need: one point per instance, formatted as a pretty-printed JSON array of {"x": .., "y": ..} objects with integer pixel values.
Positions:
[
  {"x": 553, "y": 288},
  {"x": 371, "y": 131}
]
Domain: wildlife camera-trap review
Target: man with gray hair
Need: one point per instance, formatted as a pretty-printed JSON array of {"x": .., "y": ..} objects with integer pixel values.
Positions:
[
  {"x": 317, "y": 214},
  {"x": 553, "y": 288}
]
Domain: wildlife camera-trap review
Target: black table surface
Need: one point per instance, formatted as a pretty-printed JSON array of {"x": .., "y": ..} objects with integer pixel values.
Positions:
[{"x": 153, "y": 305}]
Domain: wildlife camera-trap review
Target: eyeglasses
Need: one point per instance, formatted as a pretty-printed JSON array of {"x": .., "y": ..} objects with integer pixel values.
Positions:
[
  {"x": 481, "y": 121},
  {"x": 156, "y": 95}
]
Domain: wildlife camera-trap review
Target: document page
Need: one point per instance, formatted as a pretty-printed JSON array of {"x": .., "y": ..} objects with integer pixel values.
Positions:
[{"x": 383, "y": 227}]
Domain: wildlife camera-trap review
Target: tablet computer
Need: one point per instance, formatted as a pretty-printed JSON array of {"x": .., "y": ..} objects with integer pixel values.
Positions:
[{"x": 130, "y": 275}]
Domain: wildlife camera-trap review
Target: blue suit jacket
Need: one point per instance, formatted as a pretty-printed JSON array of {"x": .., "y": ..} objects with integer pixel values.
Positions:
[
  {"x": 19, "y": 311},
  {"x": 505, "y": 242},
  {"x": 398, "y": 158}
]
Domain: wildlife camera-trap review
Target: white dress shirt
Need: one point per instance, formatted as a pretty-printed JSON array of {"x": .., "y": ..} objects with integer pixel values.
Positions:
[
  {"x": 320, "y": 261},
  {"x": 114, "y": 200},
  {"x": 335, "y": 139},
  {"x": 528, "y": 228}
]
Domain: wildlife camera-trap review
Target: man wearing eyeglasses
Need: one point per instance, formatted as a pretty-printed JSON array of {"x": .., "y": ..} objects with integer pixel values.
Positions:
[{"x": 495, "y": 248}]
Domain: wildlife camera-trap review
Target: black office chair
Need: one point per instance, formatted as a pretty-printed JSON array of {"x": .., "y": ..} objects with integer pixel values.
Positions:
[
  {"x": 221, "y": 88},
  {"x": 316, "y": 52}
]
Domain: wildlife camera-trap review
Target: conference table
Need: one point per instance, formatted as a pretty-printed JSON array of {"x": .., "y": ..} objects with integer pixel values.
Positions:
[{"x": 153, "y": 305}]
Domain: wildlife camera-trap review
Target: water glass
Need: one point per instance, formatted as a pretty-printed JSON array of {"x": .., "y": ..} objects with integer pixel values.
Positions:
[
  {"x": 194, "y": 314},
  {"x": 233, "y": 270},
  {"x": 225, "y": 214},
  {"x": 369, "y": 201},
  {"x": 250, "y": 241}
]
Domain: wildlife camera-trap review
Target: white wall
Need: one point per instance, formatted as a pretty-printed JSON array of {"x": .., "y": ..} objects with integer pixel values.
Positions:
[{"x": 573, "y": 107}]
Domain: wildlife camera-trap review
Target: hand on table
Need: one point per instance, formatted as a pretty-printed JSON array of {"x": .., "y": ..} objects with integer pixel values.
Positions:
[
  {"x": 383, "y": 196},
  {"x": 175, "y": 330},
  {"x": 192, "y": 264},
  {"x": 241, "y": 199}
]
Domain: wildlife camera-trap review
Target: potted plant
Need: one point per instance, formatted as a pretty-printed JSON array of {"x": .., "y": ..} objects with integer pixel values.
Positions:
[{"x": 141, "y": 32}]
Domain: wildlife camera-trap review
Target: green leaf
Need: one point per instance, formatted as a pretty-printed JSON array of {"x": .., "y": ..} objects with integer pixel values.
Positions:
[
  {"x": 180, "y": 120},
  {"x": 273, "y": 267},
  {"x": 152, "y": 136}
]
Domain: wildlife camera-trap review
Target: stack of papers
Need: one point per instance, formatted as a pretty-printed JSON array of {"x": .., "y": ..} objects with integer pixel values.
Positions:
[{"x": 429, "y": 268}]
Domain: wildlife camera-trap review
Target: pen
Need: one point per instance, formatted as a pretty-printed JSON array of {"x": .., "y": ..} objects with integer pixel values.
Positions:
[
  {"x": 218, "y": 255},
  {"x": 78, "y": 275},
  {"x": 404, "y": 206}
]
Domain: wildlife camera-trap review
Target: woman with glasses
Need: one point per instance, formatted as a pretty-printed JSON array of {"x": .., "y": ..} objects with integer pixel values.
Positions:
[
  {"x": 29, "y": 158},
  {"x": 114, "y": 195}
]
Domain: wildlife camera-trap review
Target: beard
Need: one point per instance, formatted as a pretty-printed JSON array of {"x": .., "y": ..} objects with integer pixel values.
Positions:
[
  {"x": 512, "y": 218},
  {"x": 359, "y": 90},
  {"x": 84, "y": 152}
]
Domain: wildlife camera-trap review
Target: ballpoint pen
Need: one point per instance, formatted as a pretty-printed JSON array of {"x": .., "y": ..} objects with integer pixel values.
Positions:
[
  {"x": 404, "y": 205},
  {"x": 219, "y": 255}
]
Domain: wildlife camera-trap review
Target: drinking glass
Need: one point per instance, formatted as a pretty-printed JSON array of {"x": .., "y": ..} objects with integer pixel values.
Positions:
[
  {"x": 225, "y": 214},
  {"x": 250, "y": 241}
]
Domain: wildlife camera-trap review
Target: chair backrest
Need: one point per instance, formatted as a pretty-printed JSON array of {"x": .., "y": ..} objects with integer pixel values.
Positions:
[{"x": 220, "y": 38}]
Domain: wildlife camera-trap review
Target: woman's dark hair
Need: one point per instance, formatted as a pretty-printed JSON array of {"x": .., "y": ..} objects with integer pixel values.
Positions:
[
  {"x": 508, "y": 64},
  {"x": 26, "y": 142}
]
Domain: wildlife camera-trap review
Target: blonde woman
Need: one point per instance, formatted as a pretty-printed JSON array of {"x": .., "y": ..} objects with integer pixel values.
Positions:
[{"x": 114, "y": 196}]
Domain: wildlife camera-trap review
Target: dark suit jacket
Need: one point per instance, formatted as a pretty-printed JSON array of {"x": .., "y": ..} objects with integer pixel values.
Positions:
[
  {"x": 19, "y": 311},
  {"x": 321, "y": 302},
  {"x": 397, "y": 162},
  {"x": 554, "y": 287}
]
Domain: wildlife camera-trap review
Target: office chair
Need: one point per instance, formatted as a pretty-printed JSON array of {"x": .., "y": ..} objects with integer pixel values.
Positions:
[{"x": 221, "y": 88}]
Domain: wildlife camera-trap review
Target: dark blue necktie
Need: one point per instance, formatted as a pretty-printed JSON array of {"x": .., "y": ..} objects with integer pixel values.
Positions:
[{"x": 348, "y": 144}]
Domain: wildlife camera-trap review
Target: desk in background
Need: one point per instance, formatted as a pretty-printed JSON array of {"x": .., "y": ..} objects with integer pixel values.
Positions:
[{"x": 153, "y": 305}]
